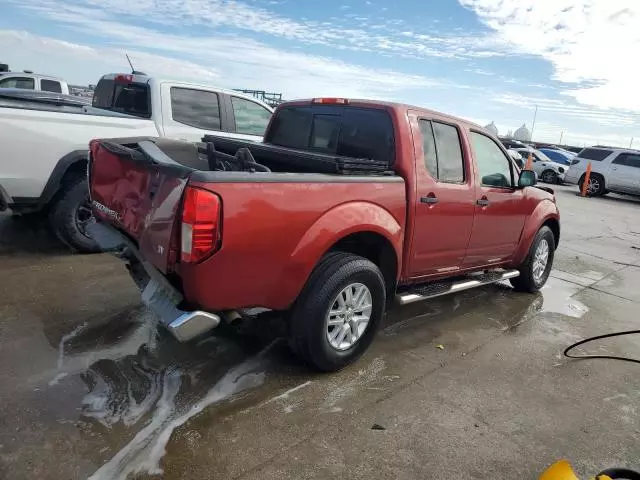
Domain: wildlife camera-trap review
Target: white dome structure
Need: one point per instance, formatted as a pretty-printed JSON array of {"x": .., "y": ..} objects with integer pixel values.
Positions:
[
  {"x": 492, "y": 128},
  {"x": 523, "y": 134}
]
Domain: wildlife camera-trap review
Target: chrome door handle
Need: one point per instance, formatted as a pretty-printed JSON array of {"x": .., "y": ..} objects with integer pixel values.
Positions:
[
  {"x": 483, "y": 202},
  {"x": 430, "y": 200}
]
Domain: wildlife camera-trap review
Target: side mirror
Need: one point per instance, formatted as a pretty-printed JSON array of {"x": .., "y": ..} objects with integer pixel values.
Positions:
[
  {"x": 574, "y": 161},
  {"x": 528, "y": 178}
]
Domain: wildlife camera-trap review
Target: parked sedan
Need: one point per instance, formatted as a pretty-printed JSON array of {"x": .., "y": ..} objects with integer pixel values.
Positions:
[
  {"x": 559, "y": 156},
  {"x": 548, "y": 171}
]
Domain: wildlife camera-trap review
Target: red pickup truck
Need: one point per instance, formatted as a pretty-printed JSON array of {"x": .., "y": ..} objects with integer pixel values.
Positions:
[{"x": 347, "y": 204}]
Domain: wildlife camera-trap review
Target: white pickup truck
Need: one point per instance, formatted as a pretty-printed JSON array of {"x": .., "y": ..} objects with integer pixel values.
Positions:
[
  {"x": 33, "y": 81},
  {"x": 45, "y": 138}
]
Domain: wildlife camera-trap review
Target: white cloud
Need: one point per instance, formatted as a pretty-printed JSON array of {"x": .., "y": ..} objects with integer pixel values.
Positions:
[
  {"x": 343, "y": 32},
  {"x": 592, "y": 44},
  {"x": 23, "y": 50},
  {"x": 258, "y": 66}
]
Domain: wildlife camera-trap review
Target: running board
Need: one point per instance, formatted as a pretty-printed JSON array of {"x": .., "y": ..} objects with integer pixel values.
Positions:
[{"x": 437, "y": 289}]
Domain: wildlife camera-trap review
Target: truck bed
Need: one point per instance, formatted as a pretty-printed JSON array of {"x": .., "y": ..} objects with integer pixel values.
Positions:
[
  {"x": 276, "y": 222},
  {"x": 285, "y": 159}
]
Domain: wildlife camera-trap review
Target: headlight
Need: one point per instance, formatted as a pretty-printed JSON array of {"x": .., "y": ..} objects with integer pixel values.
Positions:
[{"x": 561, "y": 170}]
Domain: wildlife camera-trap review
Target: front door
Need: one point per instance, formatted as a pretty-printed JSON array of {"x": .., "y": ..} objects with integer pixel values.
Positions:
[
  {"x": 624, "y": 174},
  {"x": 500, "y": 207},
  {"x": 444, "y": 209}
]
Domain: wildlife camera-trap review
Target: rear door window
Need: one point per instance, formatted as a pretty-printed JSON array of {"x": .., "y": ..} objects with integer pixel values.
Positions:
[
  {"x": 24, "y": 83},
  {"x": 450, "y": 162},
  {"x": 196, "y": 108},
  {"x": 595, "y": 154},
  {"x": 50, "y": 86},
  {"x": 345, "y": 131},
  {"x": 251, "y": 117},
  {"x": 628, "y": 159}
]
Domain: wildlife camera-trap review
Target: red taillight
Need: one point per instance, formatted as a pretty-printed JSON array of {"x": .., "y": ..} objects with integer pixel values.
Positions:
[
  {"x": 339, "y": 101},
  {"x": 123, "y": 78},
  {"x": 200, "y": 230}
]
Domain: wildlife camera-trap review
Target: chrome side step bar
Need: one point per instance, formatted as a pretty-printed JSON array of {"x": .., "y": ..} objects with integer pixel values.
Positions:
[{"x": 438, "y": 289}]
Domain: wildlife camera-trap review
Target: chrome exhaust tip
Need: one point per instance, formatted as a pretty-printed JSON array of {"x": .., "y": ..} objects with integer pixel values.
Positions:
[{"x": 189, "y": 325}]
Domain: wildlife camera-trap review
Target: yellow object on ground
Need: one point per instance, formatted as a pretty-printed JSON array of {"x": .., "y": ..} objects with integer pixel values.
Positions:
[{"x": 561, "y": 470}]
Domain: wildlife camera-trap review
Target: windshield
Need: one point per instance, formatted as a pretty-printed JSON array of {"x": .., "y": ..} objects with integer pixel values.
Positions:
[
  {"x": 541, "y": 156},
  {"x": 555, "y": 155}
]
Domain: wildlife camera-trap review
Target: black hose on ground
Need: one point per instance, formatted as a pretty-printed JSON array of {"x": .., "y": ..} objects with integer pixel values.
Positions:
[
  {"x": 610, "y": 357},
  {"x": 614, "y": 473},
  {"x": 620, "y": 473}
]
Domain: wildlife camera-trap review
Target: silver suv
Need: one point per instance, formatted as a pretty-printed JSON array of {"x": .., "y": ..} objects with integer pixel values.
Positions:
[{"x": 612, "y": 170}]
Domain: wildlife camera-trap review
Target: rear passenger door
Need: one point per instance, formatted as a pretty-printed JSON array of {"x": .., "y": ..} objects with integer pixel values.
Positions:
[
  {"x": 500, "y": 209},
  {"x": 624, "y": 174},
  {"x": 444, "y": 209}
]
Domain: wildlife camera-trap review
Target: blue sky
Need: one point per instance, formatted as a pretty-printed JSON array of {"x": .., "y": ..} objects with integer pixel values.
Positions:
[{"x": 485, "y": 60}]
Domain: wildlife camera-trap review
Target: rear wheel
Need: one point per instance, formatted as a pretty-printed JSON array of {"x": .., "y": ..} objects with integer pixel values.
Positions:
[
  {"x": 535, "y": 269},
  {"x": 339, "y": 311},
  {"x": 549, "y": 176},
  {"x": 595, "y": 187},
  {"x": 70, "y": 216}
]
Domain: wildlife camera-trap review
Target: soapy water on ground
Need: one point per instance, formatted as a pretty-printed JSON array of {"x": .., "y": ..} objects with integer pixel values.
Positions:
[
  {"x": 157, "y": 399},
  {"x": 143, "y": 454}
]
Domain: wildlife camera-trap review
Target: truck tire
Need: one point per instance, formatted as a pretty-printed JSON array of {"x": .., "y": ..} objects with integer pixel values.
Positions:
[
  {"x": 338, "y": 313},
  {"x": 71, "y": 214},
  {"x": 535, "y": 269}
]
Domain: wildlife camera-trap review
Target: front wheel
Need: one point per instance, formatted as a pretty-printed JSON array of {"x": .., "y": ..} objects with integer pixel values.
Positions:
[
  {"x": 595, "y": 187},
  {"x": 71, "y": 215},
  {"x": 339, "y": 311},
  {"x": 549, "y": 176},
  {"x": 535, "y": 269}
]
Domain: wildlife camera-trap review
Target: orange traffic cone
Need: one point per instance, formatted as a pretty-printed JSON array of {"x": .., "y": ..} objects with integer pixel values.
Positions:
[
  {"x": 585, "y": 184},
  {"x": 528, "y": 166}
]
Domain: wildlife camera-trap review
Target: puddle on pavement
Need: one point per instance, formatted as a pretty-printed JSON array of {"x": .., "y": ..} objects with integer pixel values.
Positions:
[
  {"x": 559, "y": 298},
  {"x": 139, "y": 385}
]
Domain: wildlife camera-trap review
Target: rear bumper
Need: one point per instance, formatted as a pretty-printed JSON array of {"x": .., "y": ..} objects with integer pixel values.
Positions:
[
  {"x": 157, "y": 293},
  {"x": 183, "y": 325}
]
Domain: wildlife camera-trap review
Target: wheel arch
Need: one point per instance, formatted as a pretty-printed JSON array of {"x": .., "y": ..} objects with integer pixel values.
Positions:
[
  {"x": 68, "y": 168},
  {"x": 374, "y": 247},
  {"x": 361, "y": 228},
  {"x": 545, "y": 214}
]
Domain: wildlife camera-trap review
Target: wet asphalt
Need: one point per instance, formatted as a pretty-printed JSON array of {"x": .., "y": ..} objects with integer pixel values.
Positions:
[{"x": 469, "y": 386}]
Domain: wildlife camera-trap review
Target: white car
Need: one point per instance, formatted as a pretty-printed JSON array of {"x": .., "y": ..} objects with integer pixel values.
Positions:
[
  {"x": 45, "y": 138},
  {"x": 547, "y": 170},
  {"x": 612, "y": 170},
  {"x": 516, "y": 156}
]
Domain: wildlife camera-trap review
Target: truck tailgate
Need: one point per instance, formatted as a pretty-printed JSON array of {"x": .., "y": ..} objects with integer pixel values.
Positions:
[{"x": 140, "y": 196}]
